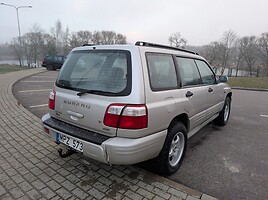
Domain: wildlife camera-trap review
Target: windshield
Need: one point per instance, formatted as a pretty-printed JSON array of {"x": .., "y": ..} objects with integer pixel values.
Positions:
[{"x": 104, "y": 71}]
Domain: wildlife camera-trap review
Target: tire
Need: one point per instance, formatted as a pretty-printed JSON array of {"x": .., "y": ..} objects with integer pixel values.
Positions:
[
  {"x": 49, "y": 68},
  {"x": 54, "y": 68},
  {"x": 224, "y": 115},
  {"x": 173, "y": 151}
]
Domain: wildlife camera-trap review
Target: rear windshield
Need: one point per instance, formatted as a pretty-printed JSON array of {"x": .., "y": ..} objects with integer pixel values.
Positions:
[{"x": 103, "y": 72}]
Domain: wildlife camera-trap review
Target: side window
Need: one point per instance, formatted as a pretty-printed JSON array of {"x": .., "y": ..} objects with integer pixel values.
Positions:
[
  {"x": 49, "y": 57},
  {"x": 206, "y": 73},
  {"x": 162, "y": 71},
  {"x": 188, "y": 71},
  {"x": 58, "y": 58}
]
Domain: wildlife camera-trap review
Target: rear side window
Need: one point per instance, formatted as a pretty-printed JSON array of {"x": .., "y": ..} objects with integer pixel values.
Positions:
[
  {"x": 206, "y": 73},
  {"x": 50, "y": 57},
  {"x": 104, "y": 72},
  {"x": 162, "y": 71},
  {"x": 188, "y": 71},
  {"x": 58, "y": 58}
]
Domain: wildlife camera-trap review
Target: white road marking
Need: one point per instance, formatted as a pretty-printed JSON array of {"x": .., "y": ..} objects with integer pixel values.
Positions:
[
  {"x": 44, "y": 90},
  {"x": 37, "y": 81},
  {"x": 42, "y": 77},
  {"x": 264, "y": 116},
  {"x": 37, "y": 106}
]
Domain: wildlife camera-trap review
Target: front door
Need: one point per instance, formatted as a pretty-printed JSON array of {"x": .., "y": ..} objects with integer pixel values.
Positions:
[{"x": 214, "y": 91}]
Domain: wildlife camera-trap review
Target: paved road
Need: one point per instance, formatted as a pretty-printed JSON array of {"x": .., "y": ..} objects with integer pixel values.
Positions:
[
  {"x": 30, "y": 167},
  {"x": 33, "y": 91},
  {"x": 231, "y": 162},
  {"x": 228, "y": 162}
]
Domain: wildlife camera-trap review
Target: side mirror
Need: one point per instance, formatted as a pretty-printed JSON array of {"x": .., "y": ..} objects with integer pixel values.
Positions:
[{"x": 222, "y": 79}]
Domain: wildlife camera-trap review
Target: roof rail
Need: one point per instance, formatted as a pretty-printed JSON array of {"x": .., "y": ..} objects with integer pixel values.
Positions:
[
  {"x": 88, "y": 45},
  {"x": 147, "y": 44}
]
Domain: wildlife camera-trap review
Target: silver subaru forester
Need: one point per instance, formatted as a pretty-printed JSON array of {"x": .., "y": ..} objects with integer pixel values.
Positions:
[{"x": 124, "y": 104}]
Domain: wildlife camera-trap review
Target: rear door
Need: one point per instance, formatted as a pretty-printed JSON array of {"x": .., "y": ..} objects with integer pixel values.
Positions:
[{"x": 193, "y": 91}]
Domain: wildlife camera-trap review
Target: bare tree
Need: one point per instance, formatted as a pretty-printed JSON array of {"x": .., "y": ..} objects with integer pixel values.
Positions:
[
  {"x": 84, "y": 37},
  {"x": 237, "y": 57},
  {"x": 120, "y": 39},
  {"x": 263, "y": 50},
  {"x": 79, "y": 38},
  {"x": 57, "y": 33},
  {"x": 211, "y": 53},
  {"x": 26, "y": 48},
  {"x": 108, "y": 37},
  {"x": 65, "y": 42},
  {"x": 73, "y": 40},
  {"x": 97, "y": 37},
  {"x": 248, "y": 48},
  {"x": 177, "y": 40},
  {"x": 36, "y": 44},
  {"x": 227, "y": 43},
  {"x": 15, "y": 44},
  {"x": 61, "y": 38},
  {"x": 49, "y": 45}
]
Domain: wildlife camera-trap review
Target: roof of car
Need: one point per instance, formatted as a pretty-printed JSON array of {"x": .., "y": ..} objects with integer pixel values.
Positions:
[{"x": 152, "y": 47}]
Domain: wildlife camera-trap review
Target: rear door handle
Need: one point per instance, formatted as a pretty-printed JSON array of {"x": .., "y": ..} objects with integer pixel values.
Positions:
[
  {"x": 210, "y": 90},
  {"x": 189, "y": 94}
]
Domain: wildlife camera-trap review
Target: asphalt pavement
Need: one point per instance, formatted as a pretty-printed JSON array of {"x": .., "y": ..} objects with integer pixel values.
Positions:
[{"x": 231, "y": 162}]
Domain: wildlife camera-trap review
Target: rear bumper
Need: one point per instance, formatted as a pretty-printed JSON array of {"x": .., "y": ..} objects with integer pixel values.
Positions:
[{"x": 117, "y": 150}]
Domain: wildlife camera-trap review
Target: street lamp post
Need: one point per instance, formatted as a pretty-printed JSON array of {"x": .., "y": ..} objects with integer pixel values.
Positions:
[{"x": 18, "y": 20}]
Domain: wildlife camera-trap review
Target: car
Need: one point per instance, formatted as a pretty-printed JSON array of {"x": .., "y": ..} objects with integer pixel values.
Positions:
[
  {"x": 125, "y": 104},
  {"x": 53, "y": 62}
]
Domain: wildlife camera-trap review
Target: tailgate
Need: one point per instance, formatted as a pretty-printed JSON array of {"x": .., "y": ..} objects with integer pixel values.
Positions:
[{"x": 85, "y": 111}]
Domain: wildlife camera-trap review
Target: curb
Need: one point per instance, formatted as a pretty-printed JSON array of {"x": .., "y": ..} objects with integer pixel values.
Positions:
[
  {"x": 18, "y": 122},
  {"x": 250, "y": 89}
]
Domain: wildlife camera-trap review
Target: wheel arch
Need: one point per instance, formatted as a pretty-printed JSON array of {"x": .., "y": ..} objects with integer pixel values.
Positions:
[
  {"x": 230, "y": 94},
  {"x": 183, "y": 118}
]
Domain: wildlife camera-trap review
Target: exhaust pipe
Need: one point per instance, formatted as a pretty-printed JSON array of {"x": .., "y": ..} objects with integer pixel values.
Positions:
[{"x": 68, "y": 153}]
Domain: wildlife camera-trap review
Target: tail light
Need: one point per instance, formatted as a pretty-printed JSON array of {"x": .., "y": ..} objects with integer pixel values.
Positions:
[
  {"x": 46, "y": 130},
  {"x": 126, "y": 116},
  {"x": 52, "y": 97}
]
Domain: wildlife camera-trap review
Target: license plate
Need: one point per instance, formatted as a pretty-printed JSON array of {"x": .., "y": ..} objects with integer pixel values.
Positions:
[{"x": 71, "y": 142}]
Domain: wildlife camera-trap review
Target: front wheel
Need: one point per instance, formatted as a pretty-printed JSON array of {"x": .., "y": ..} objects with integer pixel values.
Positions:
[
  {"x": 224, "y": 115},
  {"x": 173, "y": 151}
]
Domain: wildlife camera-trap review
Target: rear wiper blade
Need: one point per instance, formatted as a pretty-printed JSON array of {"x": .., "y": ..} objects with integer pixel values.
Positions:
[{"x": 95, "y": 92}]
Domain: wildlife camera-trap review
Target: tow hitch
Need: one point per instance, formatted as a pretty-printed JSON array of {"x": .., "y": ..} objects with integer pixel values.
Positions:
[{"x": 68, "y": 153}]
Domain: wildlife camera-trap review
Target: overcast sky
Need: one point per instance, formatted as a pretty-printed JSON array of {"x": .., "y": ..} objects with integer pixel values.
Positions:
[{"x": 199, "y": 21}]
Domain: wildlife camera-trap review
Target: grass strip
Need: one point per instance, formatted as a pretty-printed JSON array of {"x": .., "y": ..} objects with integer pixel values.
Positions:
[
  {"x": 249, "y": 82},
  {"x": 10, "y": 68}
]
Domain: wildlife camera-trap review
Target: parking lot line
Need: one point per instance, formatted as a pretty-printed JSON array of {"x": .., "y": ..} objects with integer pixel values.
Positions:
[
  {"x": 37, "y": 106},
  {"x": 36, "y": 81},
  {"x": 44, "y": 76},
  {"x": 43, "y": 90}
]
